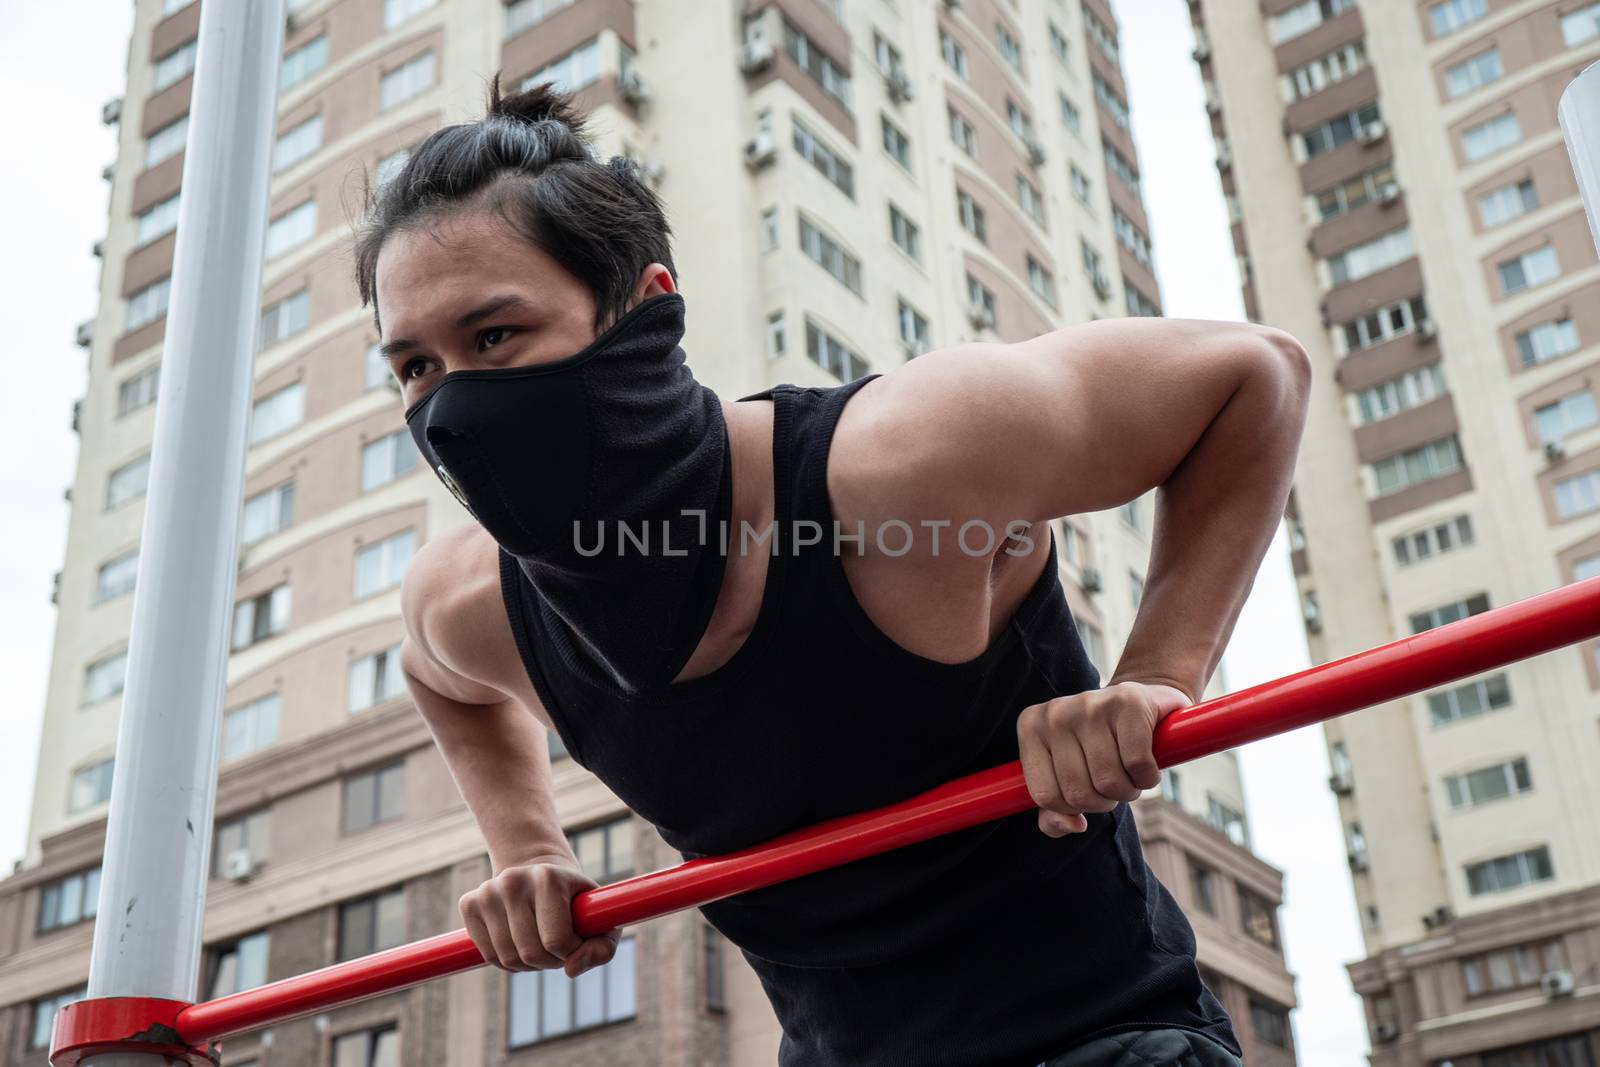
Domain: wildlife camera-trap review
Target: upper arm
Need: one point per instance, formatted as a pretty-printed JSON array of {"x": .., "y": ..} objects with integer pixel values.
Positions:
[
  {"x": 1080, "y": 419},
  {"x": 458, "y": 642}
]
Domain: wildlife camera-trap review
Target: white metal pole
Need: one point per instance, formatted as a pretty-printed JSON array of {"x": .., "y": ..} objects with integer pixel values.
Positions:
[
  {"x": 1580, "y": 125},
  {"x": 147, "y": 935}
]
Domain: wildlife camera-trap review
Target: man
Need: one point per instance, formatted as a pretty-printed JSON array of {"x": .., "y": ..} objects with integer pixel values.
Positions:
[{"x": 746, "y": 616}]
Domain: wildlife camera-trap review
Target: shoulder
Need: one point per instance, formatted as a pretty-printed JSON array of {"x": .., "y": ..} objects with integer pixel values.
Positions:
[{"x": 456, "y": 628}]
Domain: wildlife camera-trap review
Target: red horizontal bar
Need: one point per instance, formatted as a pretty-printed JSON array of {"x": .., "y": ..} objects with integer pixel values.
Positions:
[{"x": 1470, "y": 646}]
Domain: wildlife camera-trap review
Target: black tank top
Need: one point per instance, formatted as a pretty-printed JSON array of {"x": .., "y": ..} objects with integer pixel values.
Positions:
[{"x": 992, "y": 947}]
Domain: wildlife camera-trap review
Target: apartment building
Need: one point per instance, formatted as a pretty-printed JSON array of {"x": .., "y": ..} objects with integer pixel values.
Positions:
[
  {"x": 1401, "y": 200},
  {"x": 851, "y": 183}
]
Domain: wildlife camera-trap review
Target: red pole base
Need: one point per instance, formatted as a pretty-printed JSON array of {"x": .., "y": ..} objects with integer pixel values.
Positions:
[{"x": 143, "y": 1024}]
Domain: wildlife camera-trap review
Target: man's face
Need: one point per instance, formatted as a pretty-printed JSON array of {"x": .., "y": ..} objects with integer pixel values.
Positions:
[{"x": 467, "y": 292}]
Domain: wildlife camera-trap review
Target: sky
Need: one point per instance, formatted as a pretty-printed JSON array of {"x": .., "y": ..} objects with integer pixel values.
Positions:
[{"x": 53, "y": 286}]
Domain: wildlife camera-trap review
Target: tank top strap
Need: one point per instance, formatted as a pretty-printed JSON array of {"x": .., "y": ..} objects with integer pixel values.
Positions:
[{"x": 816, "y": 416}]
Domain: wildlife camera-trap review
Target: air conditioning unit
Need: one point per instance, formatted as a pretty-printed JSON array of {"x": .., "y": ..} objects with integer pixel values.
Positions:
[
  {"x": 1358, "y": 861},
  {"x": 757, "y": 56},
  {"x": 77, "y": 414},
  {"x": 238, "y": 865},
  {"x": 1373, "y": 132},
  {"x": 980, "y": 316},
  {"x": 1036, "y": 154},
  {"x": 85, "y": 333},
  {"x": 1385, "y": 1031},
  {"x": 760, "y": 150},
  {"x": 1092, "y": 580},
  {"x": 1389, "y": 192},
  {"x": 1340, "y": 783},
  {"x": 1554, "y": 452},
  {"x": 1102, "y": 285},
  {"x": 1558, "y": 983},
  {"x": 654, "y": 171},
  {"x": 951, "y": 5},
  {"x": 111, "y": 111},
  {"x": 1427, "y": 330},
  {"x": 109, "y": 172},
  {"x": 633, "y": 88},
  {"x": 98, "y": 249},
  {"x": 1224, "y": 157},
  {"x": 1213, "y": 99},
  {"x": 1438, "y": 916},
  {"x": 1202, "y": 50},
  {"x": 899, "y": 83}
]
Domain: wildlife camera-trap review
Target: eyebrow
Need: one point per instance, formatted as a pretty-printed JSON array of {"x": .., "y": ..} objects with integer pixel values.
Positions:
[{"x": 391, "y": 349}]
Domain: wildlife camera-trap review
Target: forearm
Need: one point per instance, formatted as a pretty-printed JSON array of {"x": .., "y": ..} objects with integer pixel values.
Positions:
[{"x": 1216, "y": 515}]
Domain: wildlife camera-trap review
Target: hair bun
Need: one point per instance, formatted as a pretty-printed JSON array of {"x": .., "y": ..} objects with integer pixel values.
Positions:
[{"x": 540, "y": 103}]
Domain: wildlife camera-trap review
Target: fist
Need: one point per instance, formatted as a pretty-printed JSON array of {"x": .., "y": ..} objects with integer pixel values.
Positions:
[
  {"x": 521, "y": 920},
  {"x": 1091, "y": 751}
]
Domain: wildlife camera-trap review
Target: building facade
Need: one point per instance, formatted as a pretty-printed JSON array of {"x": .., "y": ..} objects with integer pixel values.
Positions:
[
  {"x": 1402, "y": 202},
  {"x": 851, "y": 184}
]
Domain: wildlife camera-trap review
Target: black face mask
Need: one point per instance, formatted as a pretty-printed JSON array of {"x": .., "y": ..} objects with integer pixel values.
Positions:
[{"x": 560, "y": 461}]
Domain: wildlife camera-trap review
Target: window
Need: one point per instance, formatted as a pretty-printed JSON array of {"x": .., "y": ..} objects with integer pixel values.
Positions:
[
  {"x": 817, "y": 63},
  {"x": 1581, "y": 25},
  {"x": 116, "y": 576},
  {"x": 1058, "y": 43},
  {"x": 1517, "y": 967},
  {"x": 1408, "y": 390},
  {"x": 1269, "y": 1022},
  {"x": 1433, "y": 460},
  {"x": 294, "y": 227},
  {"x": 896, "y": 143},
  {"x": 827, "y": 254},
  {"x": 980, "y": 297},
  {"x": 1137, "y": 303},
  {"x": 1080, "y": 183},
  {"x": 1384, "y": 324},
  {"x": 887, "y": 55},
  {"x": 410, "y": 79},
  {"x": 1571, "y": 414},
  {"x": 1474, "y": 73},
  {"x": 971, "y": 215},
  {"x": 606, "y": 851},
  {"x": 1324, "y": 71},
  {"x": 827, "y": 162},
  {"x": 522, "y": 14},
  {"x": 1171, "y": 777},
  {"x": 1451, "y": 15},
  {"x": 148, "y": 304},
  {"x": 238, "y": 965},
  {"x": 250, "y": 727},
  {"x": 1132, "y": 238},
  {"x": 68, "y": 900},
  {"x": 1454, "y": 611},
  {"x": 1018, "y": 120},
  {"x": 1256, "y": 916},
  {"x": 285, "y": 318},
  {"x": 1094, "y": 644},
  {"x": 913, "y": 328},
  {"x": 1509, "y": 872},
  {"x": 829, "y": 352},
  {"x": 138, "y": 391},
  {"x": 1121, "y": 168},
  {"x": 375, "y": 679},
  {"x": 389, "y": 457},
  {"x": 1578, "y": 495},
  {"x": 1339, "y": 762},
  {"x": 1229, "y": 821},
  {"x": 260, "y": 617},
  {"x": 372, "y": 924},
  {"x": 374, "y": 796},
  {"x": 267, "y": 512},
  {"x": 1092, "y": 259},
  {"x": 775, "y": 338},
  {"x": 546, "y": 1004},
  {"x": 1433, "y": 540},
  {"x": 572, "y": 71},
  {"x": 91, "y": 785},
  {"x": 168, "y": 7},
  {"x": 397, "y": 11},
  {"x": 1488, "y": 784},
  {"x": 277, "y": 412},
  {"x": 1010, "y": 51},
  {"x": 1304, "y": 17},
  {"x": 1041, "y": 281},
  {"x": 1203, "y": 887},
  {"x": 128, "y": 481},
  {"x": 303, "y": 62},
  {"x": 173, "y": 66},
  {"x": 905, "y": 234},
  {"x": 1494, "y": 135},
  {"x": 1529, "y": 269},
  {"x": 1030, "y": 200},
  {"x": 1367, "y": 259},
  {"x": 1108, "y": 98},
  {"x": 250, "y": 833},
  {"x": 166, "y": 142},
  {"x": 1071, "y": 117},
  {"x": 716, "y": 991},
  {"x": 1470, "y": 700},
  {"x": 381, "y": 565},
  {"x": 103, "y": 678},
  {"x": 1507, "y": 202},
  {"x": 391, "y": 165},
  {"x": 296, "y": 144},
  {"x": 377, "y": 1047},
  {"x": 157, "y": 220},
  {"x": 1586, "y": 568},
  {"x": 1356, "y": 192},
  {"x": 962, "y": 133},
  {"x": 43, "y": 1013},
  {"x": 955, "y": 57},
  {"x": 769, "y": 229},
  {"x": 1338, "y": 131},
  {"x": 1102, "y": 37}
]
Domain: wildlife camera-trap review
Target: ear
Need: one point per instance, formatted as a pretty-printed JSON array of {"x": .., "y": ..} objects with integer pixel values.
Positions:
[{"x": 654, "y": 280}]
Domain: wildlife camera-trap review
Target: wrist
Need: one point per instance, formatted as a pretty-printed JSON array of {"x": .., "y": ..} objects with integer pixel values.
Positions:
[{"x": 532, "y": 855}]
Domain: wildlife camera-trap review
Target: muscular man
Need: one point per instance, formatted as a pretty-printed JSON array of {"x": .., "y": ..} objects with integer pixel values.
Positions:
[{"x": 746, "y": 616}]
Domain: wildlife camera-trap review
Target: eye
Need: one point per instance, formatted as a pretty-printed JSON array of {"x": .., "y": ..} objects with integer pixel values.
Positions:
[
  {"x": 493, "y": 336},
  {"x": 413, "y": 369}
]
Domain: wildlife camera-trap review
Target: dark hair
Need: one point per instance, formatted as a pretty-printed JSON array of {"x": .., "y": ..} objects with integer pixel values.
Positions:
[{"x": 528, "y": 159}]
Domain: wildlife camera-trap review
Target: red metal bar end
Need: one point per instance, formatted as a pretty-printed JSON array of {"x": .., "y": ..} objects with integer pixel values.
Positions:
[{"x": 125, "y": 1024}]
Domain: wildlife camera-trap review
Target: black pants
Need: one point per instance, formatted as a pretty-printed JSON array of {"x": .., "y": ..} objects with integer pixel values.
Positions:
[{"x": 1147, "y": 1048}]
